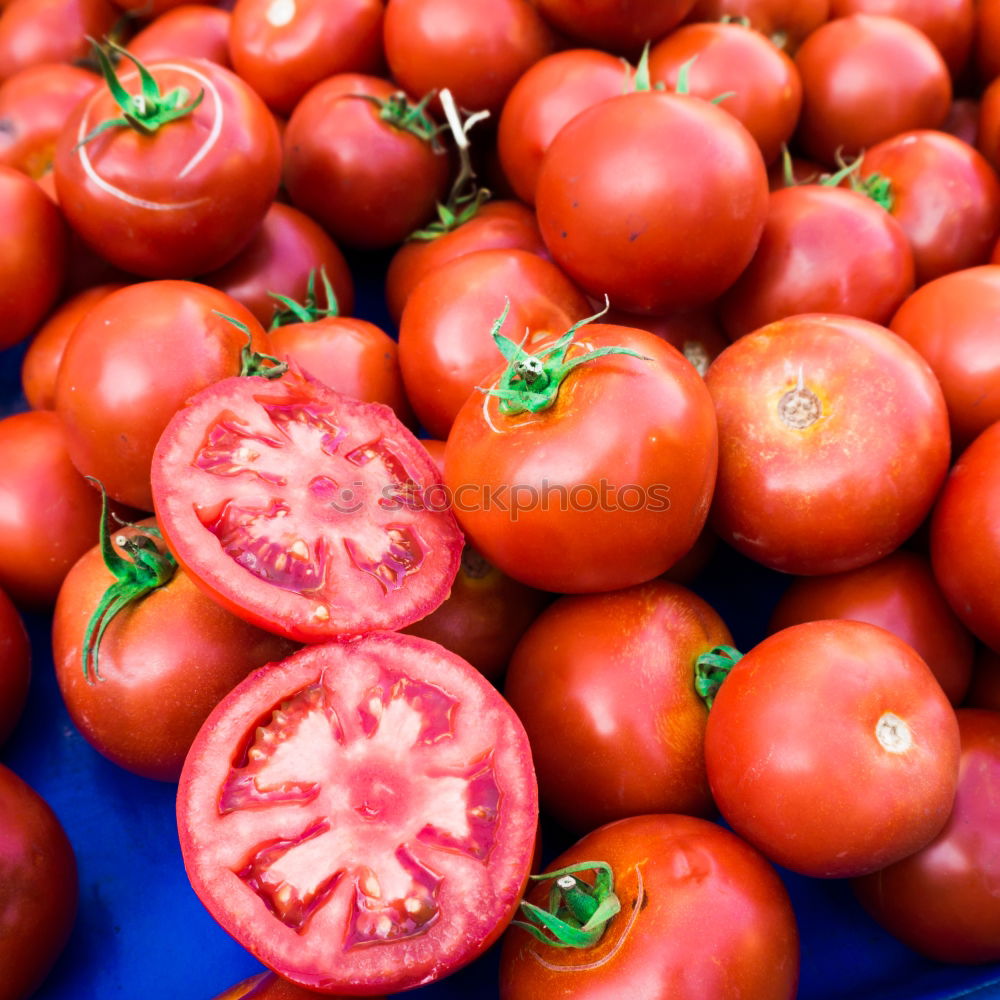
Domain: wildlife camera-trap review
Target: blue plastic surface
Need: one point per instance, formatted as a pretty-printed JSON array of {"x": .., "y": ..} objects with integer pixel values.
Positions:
[{"x": 141, "y": 931}]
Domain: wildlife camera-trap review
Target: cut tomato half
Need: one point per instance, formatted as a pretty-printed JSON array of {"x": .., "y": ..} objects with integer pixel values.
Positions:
[
  {"x": 302, "y": 510},
  {"x": 361, "y": 816}
]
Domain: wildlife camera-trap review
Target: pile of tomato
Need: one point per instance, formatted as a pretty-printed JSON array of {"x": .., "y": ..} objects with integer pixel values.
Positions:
[{"x": 410, "y": 400}]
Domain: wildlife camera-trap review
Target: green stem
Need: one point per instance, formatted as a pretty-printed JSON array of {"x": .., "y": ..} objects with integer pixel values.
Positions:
[
  {"x": 309, "y": 311},
  {"x": 711, "y": 669},
  {"x": 252, "y": 362}
]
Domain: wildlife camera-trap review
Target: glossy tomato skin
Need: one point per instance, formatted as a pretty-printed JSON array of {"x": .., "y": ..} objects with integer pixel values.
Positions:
[
  {"x": 613, "y": 674},
  {"x": 130, "y": 363},
  {"x": 657, "y": 200},
  {"x": 611, "y": 484},
  {"x": 786, "y": 24},
  {"x": 445, "y": 345},
  {"x": 38, "y": 887},
  {"x": 614, "y": 25},
  {"x": 164, "y": 664},
  {"x": 832, "y": 748},
  {"x": 987, "y": 36},
  {"x": 702, "y": 915},
  {"x": 15, "y": 666},
  {"x": 939, "y": 901},
  {"x": 302, "y": 510},
  {"x": 823, "y": 250},
  {"x": 266, "y": 986},
  {"x": 180, "y": 202},
  {"x": 696, "y": 333},
  {"x": 898, "y": 593},
  {"x": 837, "y": 490},
  {"x": 381, "y": 728},
  {"x": 193, "y": 30}
]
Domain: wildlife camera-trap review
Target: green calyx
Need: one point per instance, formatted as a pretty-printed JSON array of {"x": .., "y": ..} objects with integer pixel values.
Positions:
[
  {"x": 143, "y": 569},
  {"x": 641, "y": 80},
  {"x": 253, "y": 362},
  {"x": 147, "y": 111},
  {"x": 578, "y": 912},
  {"x": 309, "y": 311},
  {"x": 711, "y": 669},
  {"x": 397, "y": 111},
  {"x": 875, "y": 186},
  {"x": 530, "y": 382}
]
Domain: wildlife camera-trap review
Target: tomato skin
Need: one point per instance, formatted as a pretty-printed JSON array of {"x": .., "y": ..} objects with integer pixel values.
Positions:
[
  {"x": 185, "y": 200},
  {"x": 621, "y": 666},
  {"x": 130, "y": 363},
  {"x": 38, "y": 887},
  {"x": 988, "y": 137},
  {"x": 823, "y": 250},
  {"x": 266, "y": 986},
  {"x": 854, "y": 64},
  {"x": 939, "y": 901},
  {"x": 686, "y": 225},
  {"x": 164, "y": 664},
  {"x": 617, "y": 422},
  {"x": 190, "y": 31},
  {"x": 614, "y": 25},
  {"x": 15, "y": 666},
  {"x": 899, "y": 594},
  {"x": 987, "y": 37},
  {"x": 367, "y": 784},
  {"x": 702, "y": 915},
  {"x": 696, "y": 333},
  {"x": 786, "y": 24},
  {"x": 984, "y": 691},
  {"x": 796, "y": 762}
]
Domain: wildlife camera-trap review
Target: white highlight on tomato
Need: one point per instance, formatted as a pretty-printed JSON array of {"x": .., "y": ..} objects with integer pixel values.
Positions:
[
  {"x": 893, "y": 733},
  {"x": 280, "y": 13}
]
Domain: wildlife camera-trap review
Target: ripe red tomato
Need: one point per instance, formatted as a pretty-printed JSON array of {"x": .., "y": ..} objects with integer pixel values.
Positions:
[
  {"x": 183, "y": 200},
  {"x": 614, "y": 25},
  {"x": 191, "y": 31},
  {"x": 683, "y": 228},
  {"x": 607, "y": 487},
  {"x": 832, "y": 749},
  {"x": 702, "y": 915},
  {"x": 302, "y": 510},
  {"x": 622, "y": 667},
  {"x": 38, "y": 887},
  {"x": 361, "y": 816},
  {"x": 786, "y": 24},
  {"x": 987, "y": 39},
  {"x": 15, "y": 666},
  {"x": 940, "y": 900},
  {"x": 696, "y": 333},
  {"x": 988, "y": 137}
]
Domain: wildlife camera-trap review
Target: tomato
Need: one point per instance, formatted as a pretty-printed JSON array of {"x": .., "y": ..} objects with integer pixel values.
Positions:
[
  {"x": 786, "y": 24},
  {"x": 837, "y": 489},
  {"x": 684, "y": 227},
  {"x": 950, "y": 322},
  {"x": 898, "y": 593},
  {"x": 988, "y": 138},
  {"x": 367, "y": 177},
  {"x": 140, "y": 692},
  {"x": 361, "y": 816},
  {"x": 130, "y": 363},
  {"x": 38, "y": 887},
  {"x": 963, "y": 120},
  {"x": 15, "y": 666},
  {"x": 302, "y": 510},
  {"x": 696, "y": 333},
  {"x": 761, "y": 85},
  {"x": 622, "y": 667},
  {"x": 266, "y": 986},
  {"x": 546, "y": 96},
  {"x": 987, "y": 39},
  {"x": 282, "y": 50},
  {"x": 940, "y": 900},
  {"x": 32, "y": 257},
  {"x": 476, "y": 51},
  {"x": 148, "y": 8},
  {"x": 445, "y": 346},
  {"x": 702, "y": 915},
  {"x": 285, "y": 250},
  {"x": 191, "y": 31},
  {"x": 965, "y": 534},
  {"x": 614, "y": 25},
  {"x": 854, "y": 65},
  {"x": 182, "y": 200},
  {"x": 823, "y": 250},
  {"x": 608, "y": 485},
  {"x": 832, "y": 749}
]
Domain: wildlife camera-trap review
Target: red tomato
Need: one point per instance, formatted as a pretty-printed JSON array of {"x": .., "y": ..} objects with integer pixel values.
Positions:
[
  {"x": 899, "y": 594},
  {"x": 696, "y": 333},
  {"x": 148, "y": 8},
  {"x": 836, "y": 489},
  {"x": 15, "y": 666},
  {"x": 622, "y": 667},
  {"x": 988, "y": 137},
  {"x": 607, "y": 487},
  {"x": 163, "y": 664},
  {"x": 702, "y": 915},
  {"x": 183, "y": 200},
  {"x": 284, "y": 49},
  {"x": 761, "y": 85},
  {"x": 38, "y": 887},
  {"x": 191, "y": 31},
  {"x": 614, "y": 25},
  {"x": 832, "y": 749},
  {"x": 786, "y": 24},
  {"x": 477, "y": 51},
  {"x": 951, "y": 322},
  {"x": 361, "y": 816},
  {"x": 987, "y": 36},
  {"x": 683, "y": 228},
  {"x": 940, "y": 900},
  {"x": 365, "y": 177},
  {"x": 302, "y": 510},
  {"x": 823, "y": 250},
  {"x": 854, "y": 65},
  {"x": 130, "y": 363},
  {"x": 445, "y": 346},
  {"x": 963, "y": 120},
  {"x": 266, "y": 986}
]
